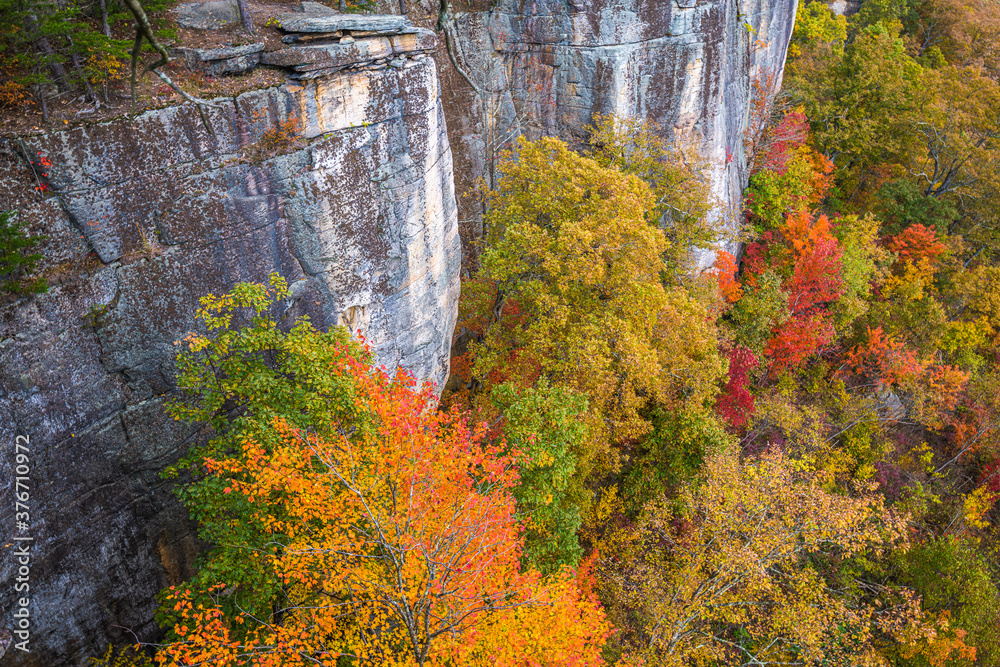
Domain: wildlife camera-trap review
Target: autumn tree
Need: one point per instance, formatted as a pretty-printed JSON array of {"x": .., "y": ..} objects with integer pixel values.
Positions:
[
  {"x": 735, "y": 403},
  {"x": 677, "y": 177},
  {"x": 808, "y": 257},
  {"x": 350, "y": 519},
  {"x": 963, "y": 32},
  {"x": 790, "y": 176},
  {"x": 570, "y": 290},
  {"x": 733, "y": 573}
]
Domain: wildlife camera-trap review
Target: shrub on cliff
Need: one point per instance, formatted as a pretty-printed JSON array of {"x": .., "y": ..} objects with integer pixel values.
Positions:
[
  {"x": 121, "y": 657},
  {"x": 16, "y": 262}
]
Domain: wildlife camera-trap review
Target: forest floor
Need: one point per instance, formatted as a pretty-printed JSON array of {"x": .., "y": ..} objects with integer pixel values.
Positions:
[{"x": 65, "y": 109}]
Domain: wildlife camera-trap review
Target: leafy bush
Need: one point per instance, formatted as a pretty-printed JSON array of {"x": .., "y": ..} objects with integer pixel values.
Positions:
[
  {"x": 16, "y": 263},
  {"x": 122, "y": 657}
]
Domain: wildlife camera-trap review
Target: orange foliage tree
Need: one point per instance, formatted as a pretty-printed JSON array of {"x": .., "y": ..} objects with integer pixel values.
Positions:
[
  {"x": 726, "y": 271},
  {"x": 810, "y": 260},
  {"x": 916, "y": 244},
  {"x": 390, "y": 534},
  {"x": 883, "y": 359}
]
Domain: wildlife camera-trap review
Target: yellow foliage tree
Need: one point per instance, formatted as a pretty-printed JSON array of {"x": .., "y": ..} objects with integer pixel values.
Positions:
[
  {"x": 731, "y": 574},
  {"x": 570, "y": 289}
]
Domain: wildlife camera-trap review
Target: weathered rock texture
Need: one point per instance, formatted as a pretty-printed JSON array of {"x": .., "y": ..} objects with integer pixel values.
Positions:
[
  {"x": 547, "y": 66},
  {"x": 352, "y": 201},
  {"x": 216, "y": 62}
]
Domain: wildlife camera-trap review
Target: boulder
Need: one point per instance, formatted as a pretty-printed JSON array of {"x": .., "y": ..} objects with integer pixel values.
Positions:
[
  {"x": 305, "y": 58},
  {"x": 211, "y": 15},
  {"x": 317, "y": 9},
  {"x": 215, "y": 62},
  {"x": 350, "y": 51},
  {"x": 301, "y": 22}
]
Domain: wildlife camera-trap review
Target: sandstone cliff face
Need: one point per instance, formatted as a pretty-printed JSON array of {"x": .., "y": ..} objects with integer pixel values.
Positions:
[
  {"x": 145, "y": 217},
  {"x": 688, "y": 65}
]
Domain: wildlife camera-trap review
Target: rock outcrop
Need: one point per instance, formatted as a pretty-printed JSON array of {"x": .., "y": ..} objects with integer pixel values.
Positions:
[
  {"x": 546, "y": 66},
  {"x": 227, "y": 60},
  {"x": 341, "y": 183}
]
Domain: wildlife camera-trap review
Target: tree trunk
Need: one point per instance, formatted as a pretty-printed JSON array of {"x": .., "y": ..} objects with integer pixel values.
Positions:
[
  {"x": 78, "y": 66},
  {"x": 105, "y": 28},
  {"x": 245, "y": 17},
  {"x": 58, "y": 72}
]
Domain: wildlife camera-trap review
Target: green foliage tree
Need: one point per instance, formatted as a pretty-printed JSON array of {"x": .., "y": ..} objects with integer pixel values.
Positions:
[
  {"x": 544, "y": 424},
  {"x": 858, "y": 102},
  {"x": 247, "y": 372},
  {"x": 901, "y": 203},
  {"x": 16, "y": 262},
  {"x": 817, "y": 25},
  {"x": 951, "y": 577},
  {"x": 672, "y": 454}
]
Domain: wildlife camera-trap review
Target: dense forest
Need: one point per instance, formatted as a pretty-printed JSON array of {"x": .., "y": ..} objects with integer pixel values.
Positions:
[{"x": 792, "y": 458}]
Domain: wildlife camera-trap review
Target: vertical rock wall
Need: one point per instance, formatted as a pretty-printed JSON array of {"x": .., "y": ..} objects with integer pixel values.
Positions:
[
  {"x": 352, "y": 202},
  {"x": 688, "y": 65}
]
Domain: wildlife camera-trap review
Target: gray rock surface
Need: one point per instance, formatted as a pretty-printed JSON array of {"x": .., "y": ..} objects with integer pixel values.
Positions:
[
  {"x": 216, "y": 62},
  {"x": 317, "y": 8},
  {"x": 688, "y": 65},
  {"x": 844, "y": 7},
  {"x": 357, "y": 211},
  {"x": 350, "y": 52},
  {"x": 304, "y": 58},
  {"x": 211, "y": 15},
  {"x": 300, "y": 22}
]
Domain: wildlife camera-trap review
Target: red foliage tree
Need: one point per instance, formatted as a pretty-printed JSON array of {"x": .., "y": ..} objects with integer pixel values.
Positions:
[
  {"x": 782, "y": 141},
  {"x": 735, "y": 403},
  {"x": 810, "y": 259},
  {"x": 917, "y": 244}
]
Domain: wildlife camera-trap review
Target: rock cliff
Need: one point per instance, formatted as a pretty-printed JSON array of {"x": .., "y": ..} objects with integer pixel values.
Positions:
[
  {"x": 546, "y": 66},
  {"x": 342, "y": 183}
]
